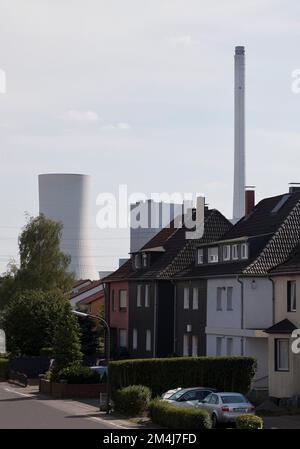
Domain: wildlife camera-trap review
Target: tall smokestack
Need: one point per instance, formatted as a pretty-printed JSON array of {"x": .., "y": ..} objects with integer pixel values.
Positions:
[{"x": 239, "y": 134}]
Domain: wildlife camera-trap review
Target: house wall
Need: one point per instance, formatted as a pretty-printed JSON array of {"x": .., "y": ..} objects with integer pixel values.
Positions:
[
  {"x": 258, "y": 304},
  {"x": 165, "y": 319},
  {"x": 195, "y": 318},
  {"x": 118, "y": 319}
]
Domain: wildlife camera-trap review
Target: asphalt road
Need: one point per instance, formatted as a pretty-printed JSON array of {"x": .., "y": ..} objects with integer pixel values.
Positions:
[{"x": 24, "y": 411}]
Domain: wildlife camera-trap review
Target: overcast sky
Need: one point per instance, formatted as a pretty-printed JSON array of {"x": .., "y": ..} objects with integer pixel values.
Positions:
[{"x": 140, "y": 92}]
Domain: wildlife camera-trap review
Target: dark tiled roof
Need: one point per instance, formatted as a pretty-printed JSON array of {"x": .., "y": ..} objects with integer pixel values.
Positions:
[
  {"x": 88, "y": 287},
  {"x": 121, "y": 273},
  {"x": 92, "y": 298},
  {"x": 292, "y": 265},
  {"x": 282, "y": 327}
]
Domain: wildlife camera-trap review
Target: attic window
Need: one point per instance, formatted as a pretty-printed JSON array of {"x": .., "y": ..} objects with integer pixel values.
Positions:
[
  {"x": 145, "y": 260},
  {"x": 200, "y": 256},
  {"x": 280, "y": 203},
  {"x": 137, "y": 261},
  {"x": 213, "y": 254},
  {"x": 244, "y": 251}
]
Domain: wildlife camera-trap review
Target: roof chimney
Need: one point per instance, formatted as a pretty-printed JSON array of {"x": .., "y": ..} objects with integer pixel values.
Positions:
[{"x": 249, "y": 199}]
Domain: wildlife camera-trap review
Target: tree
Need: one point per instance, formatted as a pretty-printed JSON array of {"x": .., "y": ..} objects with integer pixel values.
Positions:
[
  {"x": 90, "y": 334},
  {"x": 29, "y": 320},
  {"x": 66, "y": 344}
]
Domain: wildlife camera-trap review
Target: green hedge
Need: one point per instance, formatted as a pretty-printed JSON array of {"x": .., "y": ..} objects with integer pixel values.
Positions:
[
  {"x": 160, "y": 375},
  {"x": 249, "y": 422},
  {"x": 132, "y": 400},
  {"x": 4, "y": 368},
  {"x": 75, "y": 375},
  {"x": 174, "y": 417}
]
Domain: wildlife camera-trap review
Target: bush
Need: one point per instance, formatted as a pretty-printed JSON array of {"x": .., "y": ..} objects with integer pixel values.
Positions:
[
  {"x": 46, "y": 352},
  {"x": 160, "y": 375},
  {"x": 132, "y": 400},
  {"x": 75, "y": 375},
  {"x": 249, "y": 422},
  {"x": 4, "y": 368},
  {"x": 173, "y": 417}
]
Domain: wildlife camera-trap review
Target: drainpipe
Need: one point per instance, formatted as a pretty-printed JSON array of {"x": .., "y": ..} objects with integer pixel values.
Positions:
[
  {"x": 154, "y": 319},
  {"x": 273, "y": 299},
  {"x": 242, "y": 313}
]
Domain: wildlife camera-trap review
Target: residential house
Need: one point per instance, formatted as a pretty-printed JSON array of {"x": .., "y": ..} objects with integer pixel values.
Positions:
[
  {"x": 238, "y": 289},
  {"x": 84, "y": 290}
]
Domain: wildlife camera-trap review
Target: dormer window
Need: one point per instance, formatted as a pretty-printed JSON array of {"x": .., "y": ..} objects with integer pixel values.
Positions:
[
  {"x": 244, "y": 251},
  {"x": 235, "y": 252},
  {"x": 145, "y": 260},
  {"x": 138, "y": 261},
  {"x": 226, "y": 252},
  {"x": 213, "y": 254},
  {"x": 200, "y": 256}
]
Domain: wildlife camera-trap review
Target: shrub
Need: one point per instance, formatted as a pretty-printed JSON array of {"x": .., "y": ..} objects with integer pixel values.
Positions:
[
  {"x": 46, "y": 352},
  {"x": 132, "y": 400},
  {"x": 160, "y": 375},
  {"x": 249, "y": 422},
  {"x": 75, "y": 375},
  {"x": 173, "y": 417},
  {"x": 4, "y": 368}
]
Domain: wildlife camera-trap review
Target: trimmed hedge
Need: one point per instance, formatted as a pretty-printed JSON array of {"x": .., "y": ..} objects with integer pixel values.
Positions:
[
  {"x": 160, "y": 375},
  {"x": 132, "y": 400},
  {"x": 249, "y": 422},
  {"x": 173, "y": 417},
  {"x": 4, "y": 368},
  {"x": 76, "y": 375}
]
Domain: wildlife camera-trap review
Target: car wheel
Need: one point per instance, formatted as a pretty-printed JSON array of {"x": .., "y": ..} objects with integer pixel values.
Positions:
[{"x": 214, "y": 420}]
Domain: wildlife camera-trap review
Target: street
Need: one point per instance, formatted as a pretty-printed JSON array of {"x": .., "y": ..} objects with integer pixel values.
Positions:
[{"x": 19, "y": 410}]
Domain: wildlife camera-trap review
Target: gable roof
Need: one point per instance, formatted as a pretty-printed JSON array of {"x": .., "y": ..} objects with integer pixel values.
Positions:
[
  {"x": 178, "y": 252},
  {"x": 282, "y": 327}
]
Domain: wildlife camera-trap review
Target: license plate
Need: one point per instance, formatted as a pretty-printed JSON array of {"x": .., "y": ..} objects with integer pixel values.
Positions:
[{"x": 239, "y": 409}]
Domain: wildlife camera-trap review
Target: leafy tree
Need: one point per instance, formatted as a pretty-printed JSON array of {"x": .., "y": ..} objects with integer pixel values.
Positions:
[
  {"x": 29, "y": 320},
  {"x": 66, "y": 344},
  {"x": 90, "y": 333}
]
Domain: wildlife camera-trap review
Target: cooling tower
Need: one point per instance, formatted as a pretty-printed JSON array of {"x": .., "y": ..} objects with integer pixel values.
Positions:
[{"x": 66, "y": 198}]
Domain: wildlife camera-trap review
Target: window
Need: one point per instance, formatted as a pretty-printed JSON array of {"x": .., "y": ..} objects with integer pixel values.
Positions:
[
  {"x": 235, "y": 252},
  {"x": 145, "y": 260},
  {"x": 229, "y": 298},
  {"x": 123, "y": 338},
  {"x": 219, "y": 298},
  {"x": 186, "y": 345},
  {"x": 229, "y": 344},
  {"x": 194, "y": 345},
  {"x": 147, "y": 295},
  {"x": 186, "y": 298},
  {"x": 244, "y": 251},
  {"x": 219, "y": 346},
  {"x": 282, "y": 354},
  {"x": 134, "y": 339},
  {"x": 213, "y": 399},
  {"x": 291, "y": 296},
  {"x": 213, "y": 254},
  {"x": 148, "y": 340},
  {"x": 200, "y": 256},
  {"x": 195, "y": 298},
  {"x": 123, "y": 299},
  {"x": 226, "y": 252},
  {"x": 113, "y": 301},
  {"x": 137, "y": 261},
  {"x": 139, "y": 296}
]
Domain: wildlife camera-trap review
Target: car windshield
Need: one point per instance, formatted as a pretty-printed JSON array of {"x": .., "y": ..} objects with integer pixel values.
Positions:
[
  {"x": 233, "y": 399},
  {"x": 176, "y": 395}
]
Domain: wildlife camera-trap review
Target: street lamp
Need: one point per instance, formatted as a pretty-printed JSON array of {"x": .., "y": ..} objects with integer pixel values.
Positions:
[{"x": 103, "y": 321}]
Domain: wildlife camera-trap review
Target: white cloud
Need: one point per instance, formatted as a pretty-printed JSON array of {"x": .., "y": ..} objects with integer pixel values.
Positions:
[
  {"x": 81, "y": 116},
  {"x": 182, "y": 40},
  {"x": 123, "y": 125}
]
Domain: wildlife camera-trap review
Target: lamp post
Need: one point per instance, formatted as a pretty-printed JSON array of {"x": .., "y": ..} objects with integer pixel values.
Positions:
[{"x": 103, "y": 321}]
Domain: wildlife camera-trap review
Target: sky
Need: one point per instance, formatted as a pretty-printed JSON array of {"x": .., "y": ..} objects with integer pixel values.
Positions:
[{"x": 141, "y": 93}]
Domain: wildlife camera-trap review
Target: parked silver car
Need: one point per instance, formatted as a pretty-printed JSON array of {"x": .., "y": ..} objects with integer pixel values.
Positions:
[
  {"x": 187, "y": 397},
  {"x": 226, "y": 407}
]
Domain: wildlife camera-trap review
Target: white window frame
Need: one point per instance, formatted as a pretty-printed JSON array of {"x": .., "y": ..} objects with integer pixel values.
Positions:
[
  {"x": 122, "y": 299},
  {"x": 244, "y": 251},
  {"x": 278, "y": 343},
  {"x": 219, "y": 299},
  {"x": 235, "y": 252},
  {"x": 134, "y": 339},
  {"x": 137, "y": 261},
  {"x": 200, "y": 259},
  {"x": 229, "y": 346},
  {"x": 219, "y": 344},
  {"x": 213, "y": 254},
  {"x": 186, "y": 345},
  {"x": 147, "y": 295},
  {"x": 139, "y": 295},
  {"x": 229, "y": 298},
  {"x": 144, "y": 260},
  {"x": 148, "y": 340},
  {"x": 292, "y": 301},
  {"x": 123, "y": 334},
  {"x": 226, "y": 253},
  {"x": 195, "y": 298},
  {"x": 186, "y": 298},
  {"x": 195, "y": 345}
]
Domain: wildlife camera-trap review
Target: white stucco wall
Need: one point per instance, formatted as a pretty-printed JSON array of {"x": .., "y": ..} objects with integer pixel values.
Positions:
[
  {"x": 223, "y": 318},
  {"x": 257, "y": 303}
]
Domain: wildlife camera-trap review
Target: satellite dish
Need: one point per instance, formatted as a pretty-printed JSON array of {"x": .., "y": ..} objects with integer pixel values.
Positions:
[{"x": 2, "y": 342}]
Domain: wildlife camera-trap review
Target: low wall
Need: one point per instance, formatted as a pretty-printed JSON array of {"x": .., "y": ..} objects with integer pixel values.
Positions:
[{"x": 63, "y": 390}]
